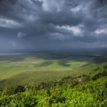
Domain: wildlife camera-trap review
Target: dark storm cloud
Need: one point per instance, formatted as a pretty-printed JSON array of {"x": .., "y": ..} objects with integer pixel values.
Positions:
[{"x": 47, "y": 24}]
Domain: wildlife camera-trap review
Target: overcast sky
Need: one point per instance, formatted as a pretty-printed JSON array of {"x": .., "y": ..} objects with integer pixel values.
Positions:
[{"x": 53, "y": 24}]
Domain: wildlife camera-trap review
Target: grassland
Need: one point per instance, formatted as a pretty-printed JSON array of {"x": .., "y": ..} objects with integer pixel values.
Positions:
[
  {"x": 24, "y": 70},
  {"x": 70, "y": 81}
]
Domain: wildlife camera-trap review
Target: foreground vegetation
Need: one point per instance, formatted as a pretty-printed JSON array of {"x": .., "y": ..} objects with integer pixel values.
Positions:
[
  {"x": 68, "y": 92},
  {"x": 67, "y": 82}
]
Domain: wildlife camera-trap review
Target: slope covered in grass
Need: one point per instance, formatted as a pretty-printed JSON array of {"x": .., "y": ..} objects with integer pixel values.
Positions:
[{"x": 53, "y": 82}]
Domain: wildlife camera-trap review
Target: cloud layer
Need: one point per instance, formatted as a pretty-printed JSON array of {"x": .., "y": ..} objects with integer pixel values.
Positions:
[{"x": 53, "y": 24}]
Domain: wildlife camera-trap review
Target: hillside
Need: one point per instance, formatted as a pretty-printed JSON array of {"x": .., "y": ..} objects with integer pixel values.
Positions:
[{"x": 38, "y": 81}]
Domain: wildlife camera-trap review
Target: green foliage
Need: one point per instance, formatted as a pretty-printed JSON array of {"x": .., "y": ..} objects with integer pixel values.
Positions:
[{"x": 90, "y": 94}]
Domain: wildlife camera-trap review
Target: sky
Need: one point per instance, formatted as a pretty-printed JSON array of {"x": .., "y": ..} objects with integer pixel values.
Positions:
[{"x": 53, "y": 24}]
